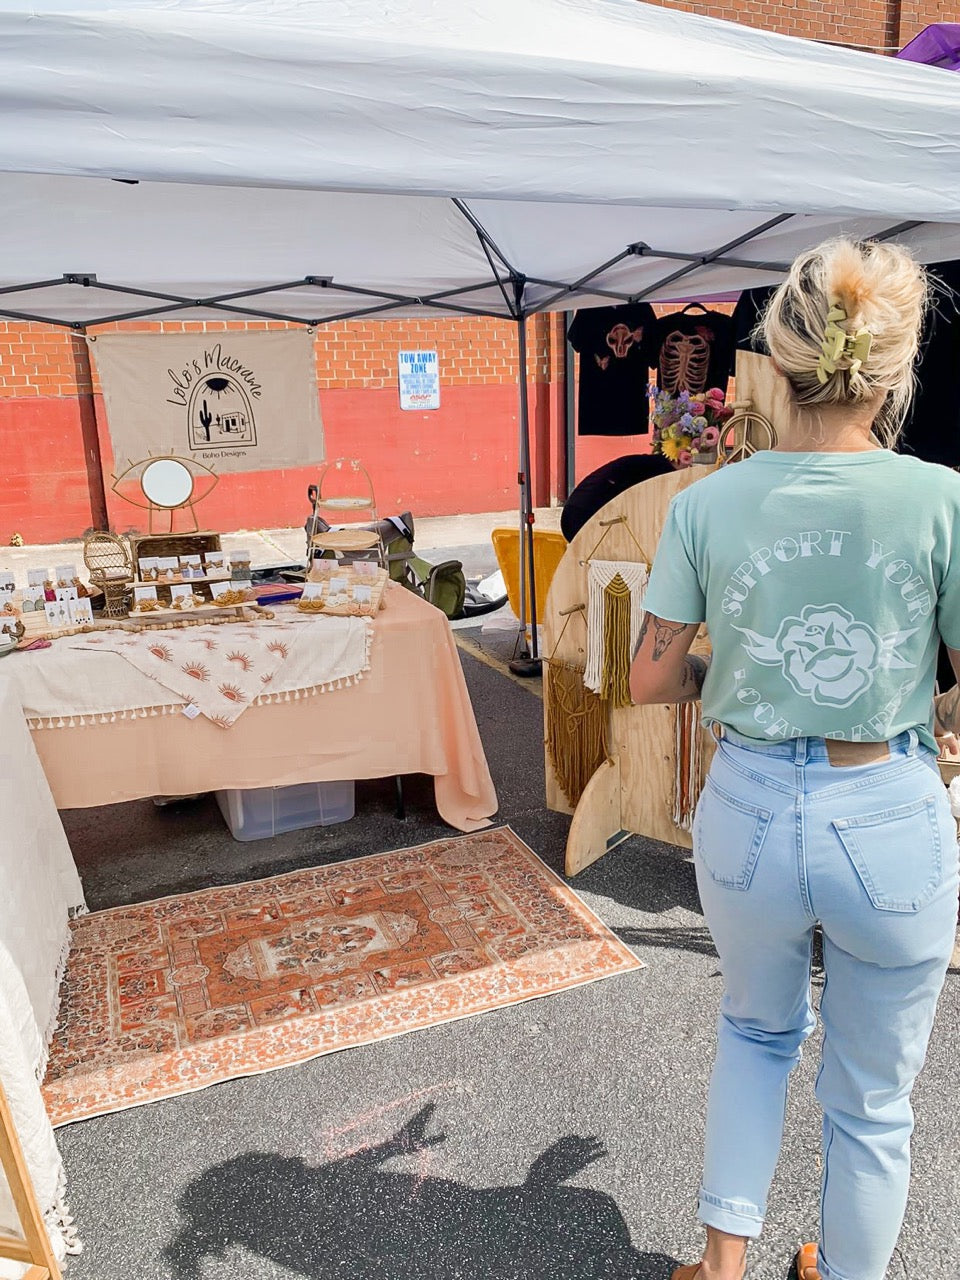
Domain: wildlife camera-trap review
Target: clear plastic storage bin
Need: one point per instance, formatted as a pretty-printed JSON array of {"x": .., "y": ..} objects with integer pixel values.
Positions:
[{"x": 268, "y": 811}]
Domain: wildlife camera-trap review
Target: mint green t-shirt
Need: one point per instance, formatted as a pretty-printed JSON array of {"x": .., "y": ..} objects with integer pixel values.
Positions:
[{"x": 825, "y": 581}]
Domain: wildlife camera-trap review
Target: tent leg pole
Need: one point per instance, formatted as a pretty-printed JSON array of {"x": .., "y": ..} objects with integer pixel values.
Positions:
[{"x": 530, "y": 664}]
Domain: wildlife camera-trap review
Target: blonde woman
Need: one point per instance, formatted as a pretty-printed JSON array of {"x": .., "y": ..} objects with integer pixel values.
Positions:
[{"x": 827, "y": 570}]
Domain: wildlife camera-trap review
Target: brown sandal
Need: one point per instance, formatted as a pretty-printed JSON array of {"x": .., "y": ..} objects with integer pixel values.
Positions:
[
  {"x": 686, "y": 1273},
  {"x": 806, "y": 1263}
]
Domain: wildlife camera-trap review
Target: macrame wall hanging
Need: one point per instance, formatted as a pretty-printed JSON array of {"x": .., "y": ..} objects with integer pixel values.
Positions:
[
  {"x": 614, "y": 614},
  {"x": 689, "y": 764},
  {"x": 576, "y": 731}
]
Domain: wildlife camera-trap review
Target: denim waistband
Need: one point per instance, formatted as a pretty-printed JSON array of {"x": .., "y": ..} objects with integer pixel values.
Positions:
[{"x": 802, "y": 749}]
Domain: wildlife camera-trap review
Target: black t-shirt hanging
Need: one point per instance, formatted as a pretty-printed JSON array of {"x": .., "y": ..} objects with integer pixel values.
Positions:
[
  {"x": 694, "y": 350},
  {"x": 746, "y": 316},
  {"x": 617, "y": 348},
  {"x": 932, "y": 431}
]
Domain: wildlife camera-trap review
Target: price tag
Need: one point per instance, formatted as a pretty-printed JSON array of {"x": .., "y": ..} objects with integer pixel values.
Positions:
[{"x": 191, "y": 711}]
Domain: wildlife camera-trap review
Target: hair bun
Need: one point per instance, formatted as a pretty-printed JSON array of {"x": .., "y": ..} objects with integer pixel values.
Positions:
[{"x": 848, "y": 282}]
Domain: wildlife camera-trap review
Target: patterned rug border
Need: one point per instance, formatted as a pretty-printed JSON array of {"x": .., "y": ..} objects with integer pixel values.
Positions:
[{"x": 265, "y": 1039}]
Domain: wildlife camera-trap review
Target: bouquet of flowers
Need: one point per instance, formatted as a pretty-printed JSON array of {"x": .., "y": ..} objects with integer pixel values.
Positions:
[{"x": 686, "y": 425}]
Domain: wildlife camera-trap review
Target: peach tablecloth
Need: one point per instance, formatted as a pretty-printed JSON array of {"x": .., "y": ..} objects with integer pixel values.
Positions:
[{"x": 411, "y": 713}]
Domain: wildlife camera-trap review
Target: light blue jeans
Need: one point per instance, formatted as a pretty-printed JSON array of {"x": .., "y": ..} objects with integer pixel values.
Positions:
[{"x": 782, "y": 840}]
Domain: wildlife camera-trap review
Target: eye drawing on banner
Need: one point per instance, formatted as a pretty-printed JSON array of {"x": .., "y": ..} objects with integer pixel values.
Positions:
[{"x": 220, "y": 412}]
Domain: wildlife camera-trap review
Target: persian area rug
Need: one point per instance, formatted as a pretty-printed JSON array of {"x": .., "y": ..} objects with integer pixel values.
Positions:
[{"x": 173, "y": 995}]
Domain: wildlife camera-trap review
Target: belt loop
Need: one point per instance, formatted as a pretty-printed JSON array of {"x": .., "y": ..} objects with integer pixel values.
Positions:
[{"x": 913, "y": 743}]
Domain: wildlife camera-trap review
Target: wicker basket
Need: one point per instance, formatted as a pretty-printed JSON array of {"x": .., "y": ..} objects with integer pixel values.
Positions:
[{"x": 172, "y": 544}]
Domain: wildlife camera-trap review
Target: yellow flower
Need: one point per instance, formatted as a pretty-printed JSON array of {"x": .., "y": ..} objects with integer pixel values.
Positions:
[{"x": 671, "y": 447}]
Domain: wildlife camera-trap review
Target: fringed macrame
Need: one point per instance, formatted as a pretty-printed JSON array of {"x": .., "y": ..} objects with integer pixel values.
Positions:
[
  {"x": 576, "y": 721},
  {"x": 689, "y": 773},
  {"x": 614, "y": 614},
  {"x": 576, "y": 728}
]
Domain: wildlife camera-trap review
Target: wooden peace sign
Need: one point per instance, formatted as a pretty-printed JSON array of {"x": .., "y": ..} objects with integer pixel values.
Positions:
[{"x": 747, "y": 432}]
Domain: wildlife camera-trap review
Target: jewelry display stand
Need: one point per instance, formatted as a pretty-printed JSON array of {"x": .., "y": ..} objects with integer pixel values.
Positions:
[{"x": 634, "y": 791}]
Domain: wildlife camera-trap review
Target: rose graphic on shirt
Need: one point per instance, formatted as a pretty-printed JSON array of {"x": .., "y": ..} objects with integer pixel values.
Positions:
[{"x": 826, "y": 654}]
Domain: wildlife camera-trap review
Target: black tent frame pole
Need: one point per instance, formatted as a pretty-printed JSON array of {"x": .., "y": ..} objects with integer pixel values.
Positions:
[{"x": 528, "y": 663}]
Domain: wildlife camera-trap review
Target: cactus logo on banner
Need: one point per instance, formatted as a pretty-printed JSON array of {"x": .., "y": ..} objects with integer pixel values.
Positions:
[
  {"x": 218, "y": 392},
  {"x": 220, "y": 413}
]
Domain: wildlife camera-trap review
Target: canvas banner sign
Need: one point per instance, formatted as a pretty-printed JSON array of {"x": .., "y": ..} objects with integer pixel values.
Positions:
[{"x": 234, "y": 401}]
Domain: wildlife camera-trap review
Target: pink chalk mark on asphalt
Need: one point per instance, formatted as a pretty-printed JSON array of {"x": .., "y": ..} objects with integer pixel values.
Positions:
[{"x": 333, "y": 1149}]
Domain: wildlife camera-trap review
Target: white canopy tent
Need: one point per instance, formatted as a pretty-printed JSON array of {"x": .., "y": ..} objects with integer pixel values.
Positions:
[{"x": 310, "y": 162}]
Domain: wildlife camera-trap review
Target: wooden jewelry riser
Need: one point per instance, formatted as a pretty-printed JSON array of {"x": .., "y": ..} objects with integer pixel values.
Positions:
[{"x": 633, "y": 792}]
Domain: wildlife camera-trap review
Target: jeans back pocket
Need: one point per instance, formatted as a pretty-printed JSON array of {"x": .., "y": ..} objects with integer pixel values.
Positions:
[
  {"x": 728, "y": 834},
  {"x": 897, "y": 853}
]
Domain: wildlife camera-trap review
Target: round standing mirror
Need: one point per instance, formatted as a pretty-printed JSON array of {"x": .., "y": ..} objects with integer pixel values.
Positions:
[{"x": 166, "y": 482}]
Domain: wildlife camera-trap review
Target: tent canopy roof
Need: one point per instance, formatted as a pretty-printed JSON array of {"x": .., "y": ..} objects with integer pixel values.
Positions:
[{"x": 335, "y": 159}]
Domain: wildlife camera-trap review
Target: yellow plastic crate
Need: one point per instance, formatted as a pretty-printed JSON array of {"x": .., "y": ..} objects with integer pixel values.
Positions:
[{"x": 548, "y": 549}]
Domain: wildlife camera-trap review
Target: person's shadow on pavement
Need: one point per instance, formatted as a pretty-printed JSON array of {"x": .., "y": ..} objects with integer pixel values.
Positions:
[{"x": 350, "y": 1219}]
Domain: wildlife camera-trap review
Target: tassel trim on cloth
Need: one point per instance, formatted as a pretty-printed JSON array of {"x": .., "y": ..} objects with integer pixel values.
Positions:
[
  {"x": 614, "y": 616},
  {"x": 175, "y": 708},
  {"x": 576, "y": 737},
  {"x": 688, "y": 781}
]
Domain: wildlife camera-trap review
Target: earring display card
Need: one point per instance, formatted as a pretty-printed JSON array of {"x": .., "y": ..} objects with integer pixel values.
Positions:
[
  {"x": 37, "y": 577},
  {"x": 81, "y": 612},
  {"x": 67, "y": 593},
  {"x": 215, "y": 564},
  {"x": 58, "y": 613},
  {"x": 144, "y": 593},
  {"x": 7, "y": 582},
  {"x": 65, "y": 574}
]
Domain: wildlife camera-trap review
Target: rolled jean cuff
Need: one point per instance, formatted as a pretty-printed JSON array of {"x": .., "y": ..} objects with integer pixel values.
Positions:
[
  {"x": 827, "y": 1273},
  {"x": 736, "y": 1217}
]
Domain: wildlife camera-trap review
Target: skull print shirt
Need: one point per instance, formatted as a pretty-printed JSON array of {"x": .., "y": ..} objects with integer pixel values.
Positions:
[
  {"x": 694, "y": 350},
  {"x": 617, "y": 347}
]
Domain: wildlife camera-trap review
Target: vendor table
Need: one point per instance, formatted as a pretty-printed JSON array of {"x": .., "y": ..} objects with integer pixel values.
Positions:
[{"x": 410, "y": 713}]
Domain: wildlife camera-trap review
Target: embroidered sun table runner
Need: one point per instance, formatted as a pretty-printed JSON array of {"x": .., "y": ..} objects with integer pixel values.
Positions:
[{"x": 219, "y": 669}]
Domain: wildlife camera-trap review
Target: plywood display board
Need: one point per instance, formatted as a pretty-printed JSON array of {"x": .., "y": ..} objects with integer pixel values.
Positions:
[{"x": 632, "y": 793}]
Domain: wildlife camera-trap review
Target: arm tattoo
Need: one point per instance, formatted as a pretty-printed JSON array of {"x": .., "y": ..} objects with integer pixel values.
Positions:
[
  {"x": 695, "y": 670},
  {"x": 947, "y": 709},
  {"x": 663, "y": 636}
]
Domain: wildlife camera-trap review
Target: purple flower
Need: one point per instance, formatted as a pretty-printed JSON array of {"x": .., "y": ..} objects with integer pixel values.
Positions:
[{"x": 686, "y": 421}]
